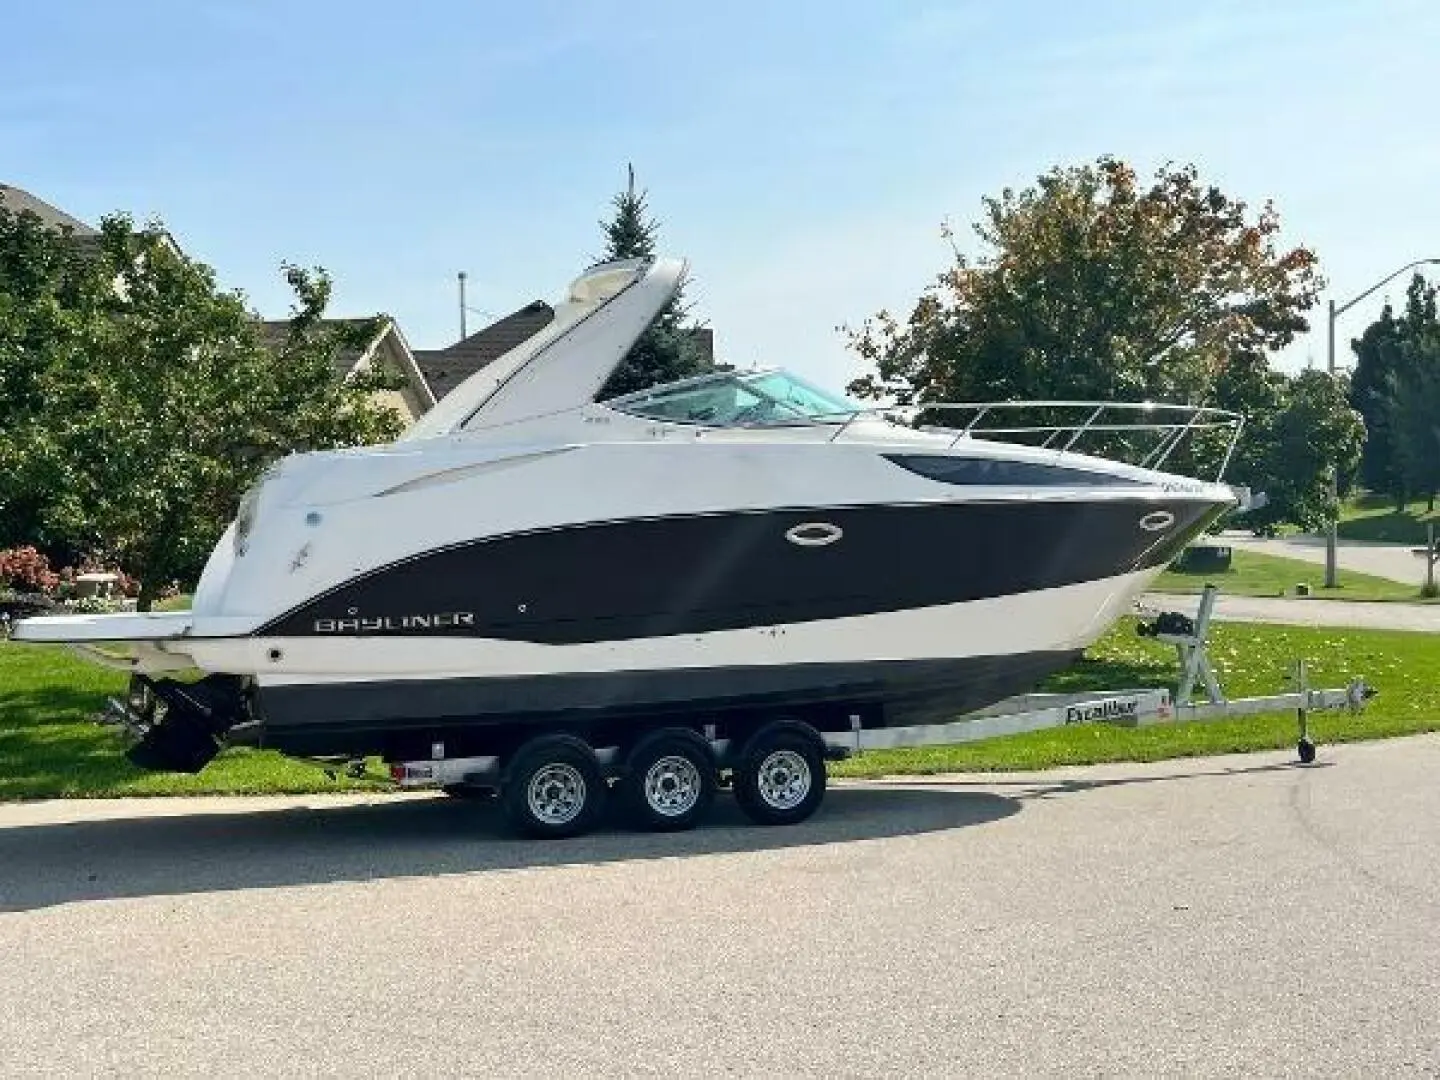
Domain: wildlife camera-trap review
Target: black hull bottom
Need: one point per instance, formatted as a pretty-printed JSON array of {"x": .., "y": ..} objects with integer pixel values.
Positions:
[{"x": 401, "y": 719}]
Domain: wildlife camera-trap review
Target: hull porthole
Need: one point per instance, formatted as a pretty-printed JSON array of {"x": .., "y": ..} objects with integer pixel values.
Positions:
[
  {"x": 814, "y": 534},
  {"x": 1157, "y": 520}
]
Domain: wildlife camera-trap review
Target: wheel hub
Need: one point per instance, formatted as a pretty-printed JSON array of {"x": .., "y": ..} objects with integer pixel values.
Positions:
[
  {"x": 556, "y": 794},
  {"x": 672, "y": 785},
  {"x": 784, "y": 780}
]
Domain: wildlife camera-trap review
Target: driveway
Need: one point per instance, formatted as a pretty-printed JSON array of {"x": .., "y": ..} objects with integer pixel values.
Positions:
[
  {"x": 1396, "y": 562},
  {"x": 1233, "y": 916}
]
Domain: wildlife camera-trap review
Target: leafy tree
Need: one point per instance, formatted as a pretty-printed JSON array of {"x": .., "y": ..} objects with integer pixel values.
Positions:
[
  {"x": 1092, "y": 285},
  {"x": 47, "y": 284},
  {"x": 1096, "y": 287},
  {"x": 1385, "y": 357},
  {"x": 152, "y": 404},
  {"x": 667, "y": 350},
  {"x": 1300, "y": 431}
]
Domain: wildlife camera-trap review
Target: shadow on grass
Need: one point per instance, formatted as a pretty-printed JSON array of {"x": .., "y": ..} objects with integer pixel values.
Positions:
[
  {"x": 1388, "y": 528},
  {"x": 1105, "y": 673},
  {"x": 48, "y": 743}
]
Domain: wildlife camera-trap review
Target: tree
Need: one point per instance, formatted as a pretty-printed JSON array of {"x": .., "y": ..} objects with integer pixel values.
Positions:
[
  {"x": 1297, "y": 435},
  {"x": 152, "y": 404},
  {"x": 1384, "y": 357},
  {"x": 1092, "y": 285},
  {"x": 47, "y": 283},
  {"x": 1411, "y": 399},
  {"x": 667, "y": 350}
]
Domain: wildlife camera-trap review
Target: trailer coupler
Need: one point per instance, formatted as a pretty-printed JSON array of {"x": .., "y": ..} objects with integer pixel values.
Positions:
[{"x": 178, "y": 726}]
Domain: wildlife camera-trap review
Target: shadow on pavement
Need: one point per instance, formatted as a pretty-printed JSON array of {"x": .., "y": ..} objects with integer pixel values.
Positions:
[
  {"x": 71, "y": 862},
  {"x": 1040, "y": 788}
]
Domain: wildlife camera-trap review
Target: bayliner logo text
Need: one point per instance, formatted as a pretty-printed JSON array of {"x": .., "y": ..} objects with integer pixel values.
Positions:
[
  {"x": 1110, "y": 709},
  {"x": 444, "y": 620}
]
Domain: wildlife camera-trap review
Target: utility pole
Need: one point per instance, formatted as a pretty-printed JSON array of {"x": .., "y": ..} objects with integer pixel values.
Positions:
[{"x": 462, "y": 306}]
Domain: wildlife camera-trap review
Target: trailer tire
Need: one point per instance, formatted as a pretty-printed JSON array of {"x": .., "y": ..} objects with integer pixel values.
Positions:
[
  {"x": 554, "y": 787},
  {"x": 780, "y": 777},
  {"x": 669, "y": 781}
]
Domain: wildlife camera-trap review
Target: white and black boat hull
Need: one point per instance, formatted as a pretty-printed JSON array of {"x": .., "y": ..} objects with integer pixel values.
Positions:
[
  {"x": 908, "y": 613},
  {"x": 899, "y": 667}
]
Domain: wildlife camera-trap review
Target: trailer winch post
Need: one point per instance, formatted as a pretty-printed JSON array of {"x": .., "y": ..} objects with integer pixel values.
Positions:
[
  {"x": 1305, "y": 746},
  {"x": 1192, "y": 650}
]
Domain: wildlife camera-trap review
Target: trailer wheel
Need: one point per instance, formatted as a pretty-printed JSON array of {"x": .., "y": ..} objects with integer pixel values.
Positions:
[
  {"x": 669, "y": 781},
  {"x": 780, "y": 778},
  {"x": 553, "y": 787}
]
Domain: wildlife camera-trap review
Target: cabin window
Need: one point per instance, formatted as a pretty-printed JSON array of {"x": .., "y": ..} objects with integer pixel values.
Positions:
[{"x": 997, "y": 472}]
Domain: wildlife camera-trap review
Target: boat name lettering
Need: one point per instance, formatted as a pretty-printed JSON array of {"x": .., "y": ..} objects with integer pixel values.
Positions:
[
  {"x": 1110, "y": 709},
  {"x": 444, "y": 620}
]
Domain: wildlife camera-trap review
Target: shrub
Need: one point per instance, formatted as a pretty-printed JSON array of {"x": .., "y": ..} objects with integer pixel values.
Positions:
[
  {"x": 26, "y": 570},
  {"x": 92, "y": 605}
]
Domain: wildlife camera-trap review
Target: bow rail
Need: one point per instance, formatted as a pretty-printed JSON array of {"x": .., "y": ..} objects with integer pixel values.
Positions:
[{"x": 1172, "y": 423}]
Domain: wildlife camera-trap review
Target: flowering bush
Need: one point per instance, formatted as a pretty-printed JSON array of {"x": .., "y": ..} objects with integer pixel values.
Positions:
[{"x": 26, "y": 570}]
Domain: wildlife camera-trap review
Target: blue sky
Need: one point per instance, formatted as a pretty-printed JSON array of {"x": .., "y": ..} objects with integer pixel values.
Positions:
[{"x": 803, "y": 155}]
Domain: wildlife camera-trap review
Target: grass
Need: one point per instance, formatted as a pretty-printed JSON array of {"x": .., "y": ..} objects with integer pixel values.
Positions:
[
  {"x": 50, "y": 748},
  {"x": 1254, "y": 574},
  {"x": 1374, "y": 518},
  {"x": 1250, "y": 659}
]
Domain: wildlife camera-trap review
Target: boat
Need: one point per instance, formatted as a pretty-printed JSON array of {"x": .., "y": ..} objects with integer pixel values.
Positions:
[{"x": 734, "y": 546}]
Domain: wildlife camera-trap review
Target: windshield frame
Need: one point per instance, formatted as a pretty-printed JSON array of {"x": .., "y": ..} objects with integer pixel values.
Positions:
[{"x": 746, "y": 380}]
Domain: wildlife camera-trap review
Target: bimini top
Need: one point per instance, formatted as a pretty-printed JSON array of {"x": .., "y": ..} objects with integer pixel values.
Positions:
[{"x": 563, "y": 366}]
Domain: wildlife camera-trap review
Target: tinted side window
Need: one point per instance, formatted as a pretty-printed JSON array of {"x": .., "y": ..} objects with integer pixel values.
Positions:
[{"x": 992, "y": 472}]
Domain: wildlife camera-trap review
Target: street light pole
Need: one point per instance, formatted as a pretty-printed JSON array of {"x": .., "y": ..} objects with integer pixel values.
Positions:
[{"x": 1332, "y": 533}]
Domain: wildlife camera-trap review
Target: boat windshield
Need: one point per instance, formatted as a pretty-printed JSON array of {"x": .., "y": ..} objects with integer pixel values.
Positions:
[{"x": 737, "y": 398}]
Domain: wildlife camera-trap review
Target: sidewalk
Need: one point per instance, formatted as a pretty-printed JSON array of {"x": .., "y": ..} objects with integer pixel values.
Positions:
[{"x": 1267, "y": 609}]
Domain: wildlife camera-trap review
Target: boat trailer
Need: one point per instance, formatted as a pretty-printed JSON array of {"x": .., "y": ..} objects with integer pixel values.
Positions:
[
  {"x": 1029, "y": 712},
  {"x": 1131, "y": 708}
]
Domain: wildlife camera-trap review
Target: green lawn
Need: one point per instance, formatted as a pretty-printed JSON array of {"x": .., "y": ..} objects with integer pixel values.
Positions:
[
  {"x": 1250, "y": 659},
  {"x": 1374, "y": 518},
  {"x": 1254, "y": 574},
  {"x": 49, "y": 747}
]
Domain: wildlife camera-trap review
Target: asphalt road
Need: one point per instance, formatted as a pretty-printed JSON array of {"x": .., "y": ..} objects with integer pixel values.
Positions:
[{"x": 1237, "y": 916}]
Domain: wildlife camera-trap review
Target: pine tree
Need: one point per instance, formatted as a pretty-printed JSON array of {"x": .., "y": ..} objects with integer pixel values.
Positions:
[
  {"x": 667, "y": 350},
  {"x": 1388, "y": 355},
  {"x": 629, "y": 235}
]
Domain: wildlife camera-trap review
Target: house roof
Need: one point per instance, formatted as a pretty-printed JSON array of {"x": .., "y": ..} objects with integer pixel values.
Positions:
[
  {"x": 274, "y": 332},
  {"x": 17, "y": 201},
  {"x": 445, "y": 369}
]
